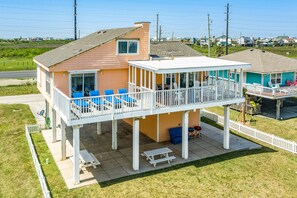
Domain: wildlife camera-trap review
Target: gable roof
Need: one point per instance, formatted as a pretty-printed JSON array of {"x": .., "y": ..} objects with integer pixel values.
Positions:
[
  {"x": 263, "y": 61},
  {"x": 171, "y": 48},
  {"x": 84, "y": 44}
]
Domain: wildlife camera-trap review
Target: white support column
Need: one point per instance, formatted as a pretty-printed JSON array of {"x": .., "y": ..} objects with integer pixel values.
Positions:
[
  {"x": 141, "y": 78},
  {"x": 63, "y": 140},
  {"x": 145, "y": 79},
  {"x": 99, "y": 130},
  {"x": 241, "y": 83},
  {"x": 149, "y": 80},
  {"x": 129, "y": 76},
  {"x": 185, "y": 135},
  {"x": 46, "y": 109},
  {"x": 114, "y": 135},
  {"x": 154, "y": 89},
  {"x": 235, "y": 82},
  {"x": 76, "y": 150},
  {"x": 228, "y": 85},
  {"x": 135, "y": 144},
  {"x": 187, "y": 88},
  {"x": 54, "y": 127},
  {"x": 226, "y": 143}
]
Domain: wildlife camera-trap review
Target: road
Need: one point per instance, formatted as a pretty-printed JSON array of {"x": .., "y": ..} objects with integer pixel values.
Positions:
[{"x": 18, "y": 74}]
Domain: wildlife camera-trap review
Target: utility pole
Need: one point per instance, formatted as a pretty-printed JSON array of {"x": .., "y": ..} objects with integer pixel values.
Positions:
[
  {"x": 157, "y": 32},
  {"x": 227, "y": 29},
  {"x": 75, "y": 32},
  {"x": 172, "y": 36},
  {"x": 209, "y": 43},
  {"x": 160, "y": 33}
]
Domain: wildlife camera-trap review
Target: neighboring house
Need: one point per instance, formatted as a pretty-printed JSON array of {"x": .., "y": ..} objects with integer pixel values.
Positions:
[
  {"x": 221, "y": 41},
  {"x": 245, "y": 41},
  {"x": 80, "y": 82},
  {"x": 289, "y": 41},
  {"x": 171, "y": 49},
  {"x": 271, "y": 76}
]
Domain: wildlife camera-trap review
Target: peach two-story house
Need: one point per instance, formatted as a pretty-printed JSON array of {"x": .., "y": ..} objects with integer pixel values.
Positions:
[{"x": 113, "y": 75}]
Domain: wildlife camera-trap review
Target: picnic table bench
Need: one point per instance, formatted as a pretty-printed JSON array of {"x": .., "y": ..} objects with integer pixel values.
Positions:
[
  {"x": 87, "y": 159},
  {"x": 161, "y": 152}
]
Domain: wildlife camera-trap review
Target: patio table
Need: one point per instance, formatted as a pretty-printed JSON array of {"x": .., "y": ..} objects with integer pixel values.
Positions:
[{"x": 150, "y": 155}]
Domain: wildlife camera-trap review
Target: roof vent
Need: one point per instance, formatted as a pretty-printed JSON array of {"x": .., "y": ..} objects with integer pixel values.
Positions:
[{"x": 101, "y": 32}]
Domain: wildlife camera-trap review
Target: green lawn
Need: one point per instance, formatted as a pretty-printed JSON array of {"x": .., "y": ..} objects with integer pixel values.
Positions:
[
  {"x": 15, "y": 64},
  {"x": 17, "y": 172},
  {"x": 282, "y": 128},
  {"x": 258, "y": 173},
  {"x": 12, "y": 90}
]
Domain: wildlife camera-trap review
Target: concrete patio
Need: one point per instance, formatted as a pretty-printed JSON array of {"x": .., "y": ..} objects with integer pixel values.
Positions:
[{"x": 117, "y": 164}]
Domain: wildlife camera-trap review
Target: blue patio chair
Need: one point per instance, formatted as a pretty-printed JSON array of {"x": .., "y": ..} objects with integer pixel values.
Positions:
[
  {"x": 81, "y": 102},
  {"x": 125, "y": 96},
  {"x": 109, "y": 93},
  {"x": 96, "y": 101}
]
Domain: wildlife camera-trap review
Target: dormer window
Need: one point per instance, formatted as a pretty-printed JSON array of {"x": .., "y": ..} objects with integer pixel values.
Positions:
[{"x": 128, "y": 46}]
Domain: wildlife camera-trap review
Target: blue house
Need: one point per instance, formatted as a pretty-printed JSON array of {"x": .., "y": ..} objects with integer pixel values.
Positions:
[
  {"x": 272, "y": 77},
  {"x": 266, "y": 67}
]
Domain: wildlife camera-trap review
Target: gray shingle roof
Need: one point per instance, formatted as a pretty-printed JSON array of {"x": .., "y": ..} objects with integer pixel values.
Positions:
[
  {"x": 172, "y": 48},
  {"x": 263, "y": 61},
  {"x": 84, "y": 44}
]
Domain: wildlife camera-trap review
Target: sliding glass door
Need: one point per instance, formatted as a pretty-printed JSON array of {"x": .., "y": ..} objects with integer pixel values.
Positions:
[{"x": 84, "y": 82}]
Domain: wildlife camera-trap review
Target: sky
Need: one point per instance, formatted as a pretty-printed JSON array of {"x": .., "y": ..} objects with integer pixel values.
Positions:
[{"x": 182, "y": 18}]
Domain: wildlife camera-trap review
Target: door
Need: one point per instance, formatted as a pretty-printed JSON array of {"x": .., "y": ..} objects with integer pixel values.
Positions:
[{"x": 84, "y": 82}]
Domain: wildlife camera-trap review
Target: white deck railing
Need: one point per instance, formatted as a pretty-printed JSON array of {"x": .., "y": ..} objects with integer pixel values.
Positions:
[
  {"x": 142, "y": 99},
  {"x": 273, "y": 140},
  {"x": 268, "y": 92},
  {"x": 30, "y": 129}
]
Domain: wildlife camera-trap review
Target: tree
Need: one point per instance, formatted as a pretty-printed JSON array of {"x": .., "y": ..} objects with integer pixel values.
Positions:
[{"x": 219, "y": 51}]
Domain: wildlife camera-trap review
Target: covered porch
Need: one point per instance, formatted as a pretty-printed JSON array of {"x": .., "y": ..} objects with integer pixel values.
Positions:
[{"x": 120, "y": 163}]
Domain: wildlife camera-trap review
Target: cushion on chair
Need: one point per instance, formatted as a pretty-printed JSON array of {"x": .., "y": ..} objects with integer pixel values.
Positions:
[
  {"x": 122, "y": 91},
  {"x": 108, "y": 92},
  {"x": 94, "y": 93},
  {"x": 78, "y": 95}
]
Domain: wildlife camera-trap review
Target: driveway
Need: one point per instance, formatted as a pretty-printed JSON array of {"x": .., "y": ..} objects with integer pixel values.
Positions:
[{"x": 18, "y": 74}]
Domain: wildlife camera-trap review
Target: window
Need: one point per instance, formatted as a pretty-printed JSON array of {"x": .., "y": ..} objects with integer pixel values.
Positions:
[
  {"x": 168, "y": 77},
  {"x": 47, "y": 83},
  {"x": 276, "y": 78},
  {"x": 128, "y": 47},
  {"x": 84, "y": 82}
]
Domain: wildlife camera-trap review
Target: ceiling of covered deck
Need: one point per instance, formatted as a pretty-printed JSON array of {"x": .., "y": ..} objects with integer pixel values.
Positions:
[{"x": 188, "y": 64}]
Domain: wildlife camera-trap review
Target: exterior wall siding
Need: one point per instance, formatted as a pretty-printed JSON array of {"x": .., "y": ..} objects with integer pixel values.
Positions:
[
  {"x": 287, "y": 76},
  {"x": 104, "y": 59},
  {"x": 253, "y": 78},
  {"x": 148, "y": 126},
  {"x": 266, "y": 79}
]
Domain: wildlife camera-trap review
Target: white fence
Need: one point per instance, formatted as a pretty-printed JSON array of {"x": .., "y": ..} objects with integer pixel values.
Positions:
[
  {"x": 31, "y": 129},
  {"x": 273, "y": 140}
]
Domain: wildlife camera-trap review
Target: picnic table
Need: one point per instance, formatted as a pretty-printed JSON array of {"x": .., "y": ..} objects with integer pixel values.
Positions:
[
  {"x": 163, "y": 153},
  {"x": 87, "y": 159}
]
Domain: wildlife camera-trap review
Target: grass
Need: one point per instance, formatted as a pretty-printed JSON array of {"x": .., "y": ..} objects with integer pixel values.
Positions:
[
  {"x": 16, "y": 64},
  {"x": 17, "y": 172},
  {"x": 283, "y": 128},
  {"x": 12, "y": 90},
  {"x": 257, "y": 173}
]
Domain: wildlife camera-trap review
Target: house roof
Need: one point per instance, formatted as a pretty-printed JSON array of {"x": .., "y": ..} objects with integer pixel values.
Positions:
[
  {"x": 263, "y": 61},
  {"x": 84, "y": 44},
  {"x": 188, "y": 64},
  {"x": 172, "y": 48}
]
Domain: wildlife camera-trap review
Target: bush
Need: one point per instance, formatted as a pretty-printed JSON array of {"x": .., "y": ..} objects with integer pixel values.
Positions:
[{"x": 22, "y": 52}]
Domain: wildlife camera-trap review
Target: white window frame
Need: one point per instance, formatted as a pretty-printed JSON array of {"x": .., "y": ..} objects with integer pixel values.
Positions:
[
  {"x": 127, "y": 40},
  {"x": 276, "y": 74},
  {"x": 81, "y": 72}
]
